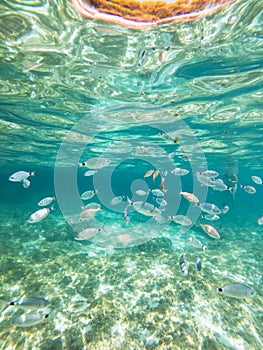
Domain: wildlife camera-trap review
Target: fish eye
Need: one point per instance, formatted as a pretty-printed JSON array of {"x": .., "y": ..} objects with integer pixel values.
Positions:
[
  {"x": 83, "y": 164},
  {"x": 46, "y": 316},
  {"x": 220, "y": 290},
  {"x": 12, "y": 303}
]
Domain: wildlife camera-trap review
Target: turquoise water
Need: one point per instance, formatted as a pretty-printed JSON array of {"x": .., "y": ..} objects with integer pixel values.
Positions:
[{"x": 106, "y": 91}]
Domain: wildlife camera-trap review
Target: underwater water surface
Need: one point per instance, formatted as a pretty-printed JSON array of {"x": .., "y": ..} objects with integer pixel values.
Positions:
[{"x": 155, "y": 108}]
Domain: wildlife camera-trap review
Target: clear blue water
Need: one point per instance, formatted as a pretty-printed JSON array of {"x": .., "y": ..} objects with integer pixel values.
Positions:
[{"x": 97, "y": 95}]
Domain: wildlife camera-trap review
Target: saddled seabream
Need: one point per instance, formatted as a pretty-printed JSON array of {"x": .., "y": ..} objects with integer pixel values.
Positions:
[
  {"x": 26, "y": 183},
  {"x": 237, "y": 290},
  {"x": 209, "y": 208},
  {"x": 161, "y": 201},
  {"x": 30, "y": 303},
  {"x": 88, "y": 233},
  {"x": 257, "y": 180},
  {"x": 46, "y": 201},
  {"x": 146, "y": 208},
  {"x": 210, "y": 217},
  {"x": 88, "y": 194},
  {"x": 92, "y": 205},
  {"x": 28, "y": 320},
  {"x": 156, "y": 192},
  {"x": 210, "y": 230},
  {"x": 183, "y": 265},
  {"x": 96, "y": 163},
  {"x": 117, "y": 200},
  {"x": 209, "y": 173},
  {"x": 248, "y": 189},
  {"x": 179, "y": 171},
  {"x": 204, "y": 180},
  {"x": 19, "y": 176},
  {"x": 219, "y": 185},
  {"x": 39, "y": 215},
  {"x": 196, "y": 243},
  {"x": 181, "y": 220}
]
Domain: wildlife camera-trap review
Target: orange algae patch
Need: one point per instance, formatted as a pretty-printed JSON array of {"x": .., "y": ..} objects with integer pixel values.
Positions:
[{"x": 142, "y": 14}]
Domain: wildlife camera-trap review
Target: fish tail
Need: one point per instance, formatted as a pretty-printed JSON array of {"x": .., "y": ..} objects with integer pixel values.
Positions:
[
  {"x": 4, "y": 309},
  {"x": 204, "y": 247},
  {"x": 129, "y": 201},
  {"x": 33, "y": 173},
  {"x": 52, "y": 208}
]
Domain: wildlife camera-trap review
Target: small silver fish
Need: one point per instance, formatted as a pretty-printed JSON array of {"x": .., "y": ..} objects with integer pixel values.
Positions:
[
  {"x": 146, "y": 208},
  {"x": 161, "y": 201},
  {"x": 198, "y": 263},
  {"x": 30, "y": 303},
  {"x": 19, "y": 176},
  {"x": 88, "y": 195},
  {"x": 92, "y": 205},
  {"x": 209, "y": 208},
  {"x": 181, "y": 220},
  {"x": 96, "y": 163},
  {"x": 141, "y": 193},
  {"x": 179, "y": 171},
  {"x": 260, "y": 220},
  {"x": 236, "y": 290},
  {"x": 210, "y": 217},
  {"x": 196, "y": 243},
  {"x": 204, "y": 180},
  {"x": 209, "y": 173},
  {"x": 90, "y": 172},
  {"x": 249, "y": 189},
  {"x": 28, "y": 320},
  {"x": 225, "y": 209},
  {"x": 158, "y": 193},
  {"x": 126, "y": 216},
  {"x": 257, "y": 180},
  {"x": 46, "y": 201},
  {"x": 116, "y": 200},
  {"x": 219, "y": 185},
  {"x": 88, "y": 233},
  {"x": 26, "y": 183},
  {"x": 39, "y": 215},
  {"x": 183, "y": 265}
]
